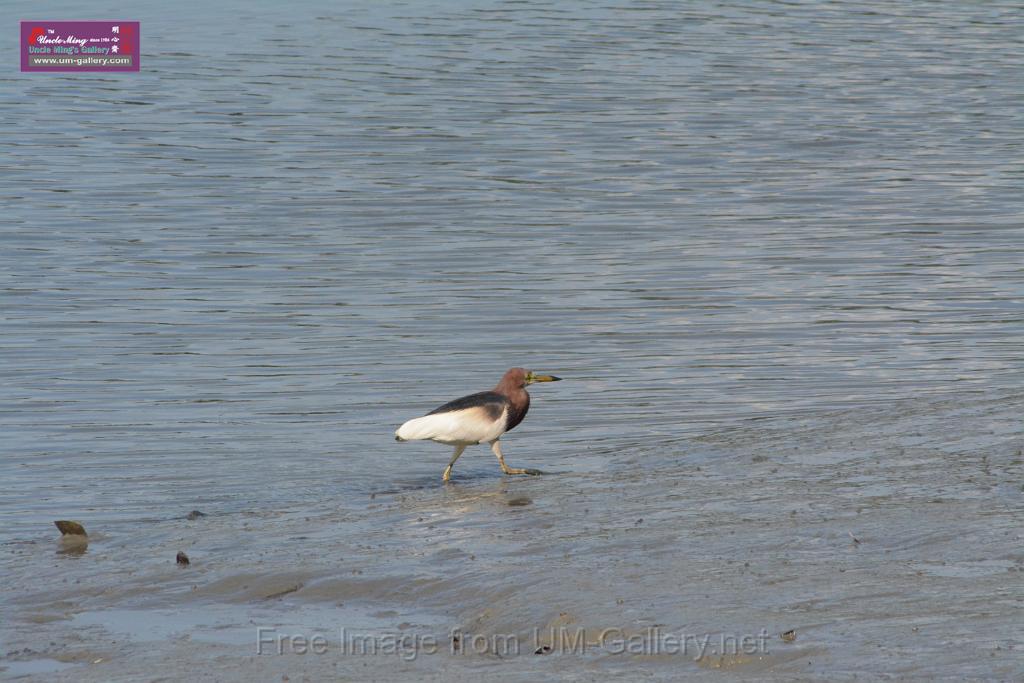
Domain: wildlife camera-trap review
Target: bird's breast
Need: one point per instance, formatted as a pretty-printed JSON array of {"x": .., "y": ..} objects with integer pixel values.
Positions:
[{"x": 518, "y": 405}]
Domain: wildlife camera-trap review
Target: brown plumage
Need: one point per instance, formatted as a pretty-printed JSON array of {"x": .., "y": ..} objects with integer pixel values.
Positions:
[
  {"x": 513, "y": 387},
  {"x": 477, "y": 418}
]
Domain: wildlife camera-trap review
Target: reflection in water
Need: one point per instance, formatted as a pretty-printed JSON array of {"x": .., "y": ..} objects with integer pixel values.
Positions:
[{"x": 72, "y": 545}]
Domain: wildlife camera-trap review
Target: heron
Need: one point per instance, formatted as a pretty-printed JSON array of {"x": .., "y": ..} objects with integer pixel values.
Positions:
[{"x": 478, "y": 418}]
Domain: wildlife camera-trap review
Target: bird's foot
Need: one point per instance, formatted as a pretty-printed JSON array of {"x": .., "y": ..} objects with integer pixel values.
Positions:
[
  {"x": 447, "y": 476},
  {"x": 523, "y": 470}
]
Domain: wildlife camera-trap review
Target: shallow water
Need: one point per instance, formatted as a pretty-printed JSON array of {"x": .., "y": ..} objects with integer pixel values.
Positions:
[{"x": 774, "y": 249}]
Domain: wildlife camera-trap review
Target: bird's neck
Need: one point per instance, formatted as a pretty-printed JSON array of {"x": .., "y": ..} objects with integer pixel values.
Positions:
[{"x": 519, "y": 403}]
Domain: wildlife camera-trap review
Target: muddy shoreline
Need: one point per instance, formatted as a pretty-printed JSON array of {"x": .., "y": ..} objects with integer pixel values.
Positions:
[{"x": 886, "y": 538}]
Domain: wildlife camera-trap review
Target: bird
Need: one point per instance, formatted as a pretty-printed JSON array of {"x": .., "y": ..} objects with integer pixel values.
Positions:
[{"x": 478, "y": 418}]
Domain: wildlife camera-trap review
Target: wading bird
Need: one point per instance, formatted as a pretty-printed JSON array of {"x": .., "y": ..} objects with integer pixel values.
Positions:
[{"x": 477, "y": 418}]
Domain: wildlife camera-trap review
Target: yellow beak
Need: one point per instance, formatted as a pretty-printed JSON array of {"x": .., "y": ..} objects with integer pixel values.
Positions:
[{"x": 531, "y": 378}]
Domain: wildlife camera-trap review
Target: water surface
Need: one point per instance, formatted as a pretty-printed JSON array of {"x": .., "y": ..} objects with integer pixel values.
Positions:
[{"x": 774, "y": 248}]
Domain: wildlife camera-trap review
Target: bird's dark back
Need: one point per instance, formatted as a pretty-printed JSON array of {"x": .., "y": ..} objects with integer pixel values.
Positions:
[{"x": 494, "y": 403}]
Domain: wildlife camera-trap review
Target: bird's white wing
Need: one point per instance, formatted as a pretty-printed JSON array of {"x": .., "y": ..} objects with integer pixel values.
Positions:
[{"x": 469, "y": 425}]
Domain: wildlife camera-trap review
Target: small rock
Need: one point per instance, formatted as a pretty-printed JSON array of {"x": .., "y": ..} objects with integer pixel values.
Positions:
[
  {"x": 73, "y": 539},
  {"x": 789, "y": 636},
  {"x": 519, "y": 502},
  {"x": 543, "y": 650},
  {"x": 70, "y": 528},
  {"x": 195, "y": 514},
  {"x": 182, "y": 559}
]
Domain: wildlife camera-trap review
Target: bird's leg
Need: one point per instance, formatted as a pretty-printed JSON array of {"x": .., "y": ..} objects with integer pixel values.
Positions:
[
  {"x": 455, "y": 456},
  {"x": 496, "y": 447}
]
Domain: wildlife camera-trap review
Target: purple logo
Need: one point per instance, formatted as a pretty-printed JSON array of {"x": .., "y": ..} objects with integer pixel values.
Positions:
[{"x": 79, "y": 46}]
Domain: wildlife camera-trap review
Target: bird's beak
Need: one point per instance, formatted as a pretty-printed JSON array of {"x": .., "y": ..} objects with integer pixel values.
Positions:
[{"x": 531, "y": 378}]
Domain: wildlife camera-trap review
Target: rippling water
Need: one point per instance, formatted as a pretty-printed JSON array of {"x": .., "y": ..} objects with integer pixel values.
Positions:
[{"x": 774, "y": 248}]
